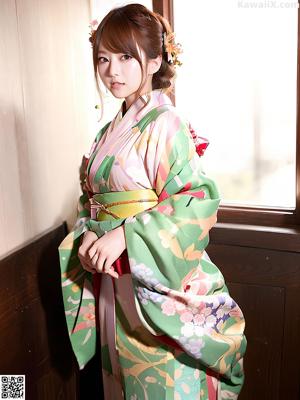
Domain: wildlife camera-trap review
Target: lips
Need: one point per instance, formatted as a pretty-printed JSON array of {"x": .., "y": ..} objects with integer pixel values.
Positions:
[{"x": 117, "y": 85}]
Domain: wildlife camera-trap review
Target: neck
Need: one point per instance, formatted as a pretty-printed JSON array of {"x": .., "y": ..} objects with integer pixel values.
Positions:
[{"x": 124, "y": 109}]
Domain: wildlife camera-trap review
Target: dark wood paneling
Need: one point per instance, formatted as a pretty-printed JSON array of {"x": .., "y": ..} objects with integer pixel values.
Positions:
[
  {"x": 266, "y": 237},
  {"x": 265, "y": 282},
  {"x": 34, "y": 339},
  {"x": 263, "y": 338}
]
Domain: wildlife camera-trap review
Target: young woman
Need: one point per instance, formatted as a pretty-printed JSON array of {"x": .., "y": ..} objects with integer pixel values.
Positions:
[{"x": 134, "y": 266}]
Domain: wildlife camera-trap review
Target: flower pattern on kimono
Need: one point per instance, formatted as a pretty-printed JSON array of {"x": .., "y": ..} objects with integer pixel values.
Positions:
[
  {"x": 199, "y": 322},
  {"x": 143, "y": 274},
  {"x": 196, "y": 282},
  {"x": 200, "y": 317},
  {"x": 192, "y": 345},
  {"x": 88, "y": 315},
  {"x": 172, "y": 306},
  {"x": 145, "y": 295}
]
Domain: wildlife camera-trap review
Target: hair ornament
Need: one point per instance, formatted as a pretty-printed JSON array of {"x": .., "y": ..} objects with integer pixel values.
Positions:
[
  {"x": 171, "y": 48},
  {"x": 93, "y": 27}
]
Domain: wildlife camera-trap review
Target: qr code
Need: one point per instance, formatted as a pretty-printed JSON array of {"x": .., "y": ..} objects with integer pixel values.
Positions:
[{"x": 13, "y": 387}]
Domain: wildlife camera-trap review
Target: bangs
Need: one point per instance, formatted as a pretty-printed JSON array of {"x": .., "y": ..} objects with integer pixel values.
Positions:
[{"x": 118, "y": 36}]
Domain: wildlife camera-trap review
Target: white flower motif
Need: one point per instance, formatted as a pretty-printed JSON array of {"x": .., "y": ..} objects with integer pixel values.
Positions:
[
  {"x": 174, "y": 229},
  {"x": 195, "y": 345},
  {"x": 211, "y": 321},
  {"x": 228, "y": 302},
  {"x": 146, "y": 218},
  {"x": 192, "y": 346},
  {"x": 220, "y": 313},
  {"x": 220, "y": 325},
  {"x": 199, "y": 330},
  {"x": 145, "y": 295},
  {"x": 143, "y": 274},
  {"x": 188, "y": 329}
]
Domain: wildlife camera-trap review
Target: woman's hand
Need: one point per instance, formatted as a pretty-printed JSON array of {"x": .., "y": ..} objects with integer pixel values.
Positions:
[
  {"x": 106, "y": 250},
  {"x": 88, "y": 240},
  {"x": 98, "y": 254}
]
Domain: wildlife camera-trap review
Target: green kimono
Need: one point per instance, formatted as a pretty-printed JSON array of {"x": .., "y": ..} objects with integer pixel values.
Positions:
[{"x": 168, "y": 326}]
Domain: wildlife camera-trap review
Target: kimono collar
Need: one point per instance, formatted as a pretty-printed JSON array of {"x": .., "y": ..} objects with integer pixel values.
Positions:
[{"x": 139, "y": 108}]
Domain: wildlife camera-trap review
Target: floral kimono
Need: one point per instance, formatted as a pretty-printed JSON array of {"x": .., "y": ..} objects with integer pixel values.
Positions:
[{"x": 168, "y": 326}]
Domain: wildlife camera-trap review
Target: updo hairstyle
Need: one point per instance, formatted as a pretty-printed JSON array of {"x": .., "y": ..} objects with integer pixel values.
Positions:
[{"x": 126, "y": 27}]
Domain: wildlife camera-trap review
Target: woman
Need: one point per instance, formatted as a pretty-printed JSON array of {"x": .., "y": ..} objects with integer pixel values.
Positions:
[{"x": 168, "y": 326}]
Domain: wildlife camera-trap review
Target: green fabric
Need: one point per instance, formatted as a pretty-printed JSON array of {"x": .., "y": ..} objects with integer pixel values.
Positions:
[{"x": 178, "y": 292}]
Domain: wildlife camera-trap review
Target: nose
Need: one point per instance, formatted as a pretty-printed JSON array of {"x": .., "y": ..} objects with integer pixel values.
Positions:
[{"x": 113, "y": 69}]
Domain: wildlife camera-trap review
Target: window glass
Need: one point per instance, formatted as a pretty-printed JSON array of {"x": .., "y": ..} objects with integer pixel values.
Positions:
[{"x": 237, "y": 86}]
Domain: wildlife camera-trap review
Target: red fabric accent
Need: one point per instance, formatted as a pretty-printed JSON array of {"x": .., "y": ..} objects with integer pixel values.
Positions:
[
  {"x": 201, "y": 143},
  {"x": 199, "y": 194},
  {"x": 121, "y": 265},
  {"x": 212, "y": 391}
]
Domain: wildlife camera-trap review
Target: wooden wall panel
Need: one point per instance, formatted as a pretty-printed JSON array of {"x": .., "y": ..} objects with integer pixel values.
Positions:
[
  {"x": 265, "y": 282},
  {"x": 34, "y": 339},
  {"x": 264, "y": 337}
]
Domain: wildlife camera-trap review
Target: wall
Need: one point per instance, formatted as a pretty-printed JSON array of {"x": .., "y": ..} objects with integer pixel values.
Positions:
[{"x": 47, "y": 114}]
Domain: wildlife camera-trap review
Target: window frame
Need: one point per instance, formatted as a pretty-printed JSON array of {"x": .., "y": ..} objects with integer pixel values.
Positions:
[{"x": 255, "y": 215}]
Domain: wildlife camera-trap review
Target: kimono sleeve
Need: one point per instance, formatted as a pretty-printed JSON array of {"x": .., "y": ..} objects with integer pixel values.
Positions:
[
  {"x": 83, "y": 205},
  {"x": 178, "y": 291},
  {"x": 77, "y": 283}
]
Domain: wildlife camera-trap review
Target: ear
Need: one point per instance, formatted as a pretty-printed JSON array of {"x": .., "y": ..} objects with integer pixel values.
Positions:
[{"x": 154, "y": 65}]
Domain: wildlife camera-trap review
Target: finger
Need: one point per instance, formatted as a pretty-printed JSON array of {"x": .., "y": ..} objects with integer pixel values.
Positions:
[
  {"x": 99, "y": 266},
  {"x": 87, "y": 267},
  {"x": 109, "y": 269},
  {"x": 112, "y": 273},
  {"x": 94, "y": 259},
  {"x": 107, "y": 265},
  {"x": 92, "y": 251}
]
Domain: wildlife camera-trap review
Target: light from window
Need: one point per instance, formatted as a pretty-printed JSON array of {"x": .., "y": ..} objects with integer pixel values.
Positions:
[{"x": 237, "y": 86}]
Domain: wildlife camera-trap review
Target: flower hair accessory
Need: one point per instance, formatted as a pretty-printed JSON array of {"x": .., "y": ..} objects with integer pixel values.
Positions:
[
  {"x": 171, "y": 48},
  {"x": 93, "y": 27}
]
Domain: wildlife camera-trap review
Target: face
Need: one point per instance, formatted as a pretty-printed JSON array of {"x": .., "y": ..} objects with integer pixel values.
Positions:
[{"x": 122, "y": 74}]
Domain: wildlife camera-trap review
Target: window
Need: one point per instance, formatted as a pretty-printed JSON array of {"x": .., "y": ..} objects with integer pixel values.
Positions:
[{"x": 238, "y": 87}]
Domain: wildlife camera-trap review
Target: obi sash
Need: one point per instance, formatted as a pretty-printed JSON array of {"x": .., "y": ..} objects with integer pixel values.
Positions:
[{"x": 114, "y": 205}]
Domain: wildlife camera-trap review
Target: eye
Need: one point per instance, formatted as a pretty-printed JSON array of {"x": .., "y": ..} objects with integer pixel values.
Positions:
[
  {"x": 102, "y": 59},
  {"x": 126, "y": 57}
]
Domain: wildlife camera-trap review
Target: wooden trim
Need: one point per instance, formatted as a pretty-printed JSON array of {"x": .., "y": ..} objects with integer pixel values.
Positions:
[
  {"x": 264, "y": 237},
  {"x": 164, "y": 8},
  {"x": 297, "y": 213},
  {"x": 257, "y": 216}
]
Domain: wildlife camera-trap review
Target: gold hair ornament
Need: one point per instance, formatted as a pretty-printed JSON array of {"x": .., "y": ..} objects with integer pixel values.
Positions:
[{"x": 171, "y": 48}]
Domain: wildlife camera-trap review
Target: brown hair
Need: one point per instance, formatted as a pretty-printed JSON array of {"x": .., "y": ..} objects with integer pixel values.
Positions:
[{"x": 126, "y": 27}]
